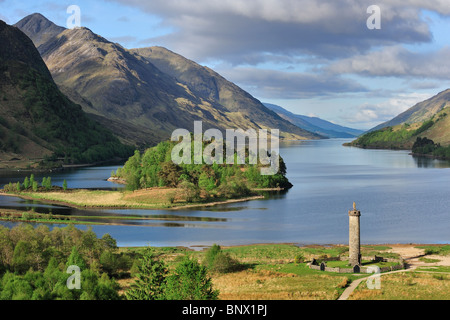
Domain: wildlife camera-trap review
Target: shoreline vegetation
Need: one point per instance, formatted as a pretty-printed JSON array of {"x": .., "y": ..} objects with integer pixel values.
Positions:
[
  {"x": 422, "y": 147},
  {"x": 36, "y": 259},
  {"x": 415, "y": 137},
  {"x": 34, "y": 165},
  {"x": 103, "y": 199}
]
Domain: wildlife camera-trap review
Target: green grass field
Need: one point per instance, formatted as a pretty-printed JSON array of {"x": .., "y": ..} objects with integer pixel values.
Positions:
[{"x": 268, "y": 272}]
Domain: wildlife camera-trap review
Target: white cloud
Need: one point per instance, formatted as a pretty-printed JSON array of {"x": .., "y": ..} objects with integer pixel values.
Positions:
[
  {"x": 273, "y": 84},
  {"x": 397, "y": 61},
  {"x": 240, "y": 31},
  {"x": 369, "y": 115}
]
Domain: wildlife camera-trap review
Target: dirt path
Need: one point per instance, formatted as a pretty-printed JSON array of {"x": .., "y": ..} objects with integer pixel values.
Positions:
[
  {"x": 411, "y": 255},
  {"x": 349, "y": 290}
]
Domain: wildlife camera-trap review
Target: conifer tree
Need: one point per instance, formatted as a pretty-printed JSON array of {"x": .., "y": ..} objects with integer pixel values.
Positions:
[{"x": 151, "y": 279}]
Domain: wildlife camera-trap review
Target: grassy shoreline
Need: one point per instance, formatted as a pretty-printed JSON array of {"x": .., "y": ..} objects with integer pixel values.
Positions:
[{"x": 102, "y": 199}]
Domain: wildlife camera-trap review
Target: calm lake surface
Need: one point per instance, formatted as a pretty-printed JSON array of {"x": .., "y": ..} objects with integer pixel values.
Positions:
[{"x": 402, "y": 200}]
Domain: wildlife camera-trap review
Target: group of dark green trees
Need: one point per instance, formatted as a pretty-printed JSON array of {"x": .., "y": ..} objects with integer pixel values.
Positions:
[
  {"x": 425, "y": 146},
  {"x": 155, "y": 168},
  {"x": 34, "y": 265},
  {"x": 31, "y": 183},
  {"x": 188, "y": 280}
]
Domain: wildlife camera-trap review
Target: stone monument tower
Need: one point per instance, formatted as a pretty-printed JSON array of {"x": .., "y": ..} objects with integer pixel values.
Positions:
[{"x": 354, "y": 237}]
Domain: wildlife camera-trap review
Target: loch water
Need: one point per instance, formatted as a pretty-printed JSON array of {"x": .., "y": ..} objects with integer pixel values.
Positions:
[{"x": 403, "y": 199}]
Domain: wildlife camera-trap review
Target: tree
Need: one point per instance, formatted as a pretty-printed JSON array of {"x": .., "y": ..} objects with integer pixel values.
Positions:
[
  {"x": 35, "y": 186},
  {"x": 190, "y": 282},
  {"x": 22, "y": 255},
  {"x": 206, "y": 182},
  {"x": 26, "y": 183},
  {"x": 94, "y": 288},
  {"x": 151, "y": 279},
  {"x": 64, "y": 185},
  {"x": 109, "y": 242},
  {"x": 75, "y": 259},
  {"x": 48, "y": 184},
  {"x": 44, "y": 182},
  {"x": 169, "y": 173}
]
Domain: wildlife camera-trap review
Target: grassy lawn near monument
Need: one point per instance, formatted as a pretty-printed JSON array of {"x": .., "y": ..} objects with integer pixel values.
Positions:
[
  {"x": 270, "y": 272},
  {"x": 407, "y": 286}
]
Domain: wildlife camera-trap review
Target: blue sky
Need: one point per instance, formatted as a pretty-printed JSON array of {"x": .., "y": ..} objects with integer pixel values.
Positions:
[{"x": 311, "y": 57}]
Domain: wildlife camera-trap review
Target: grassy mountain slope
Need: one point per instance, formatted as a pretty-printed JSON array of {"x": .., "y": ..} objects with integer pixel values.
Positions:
[
  {"x": 314, "y": 124},
  {"x": 429, "y": 119},
  {"x": 420, "y": 112},
  {"x": 36, "y": 119}
]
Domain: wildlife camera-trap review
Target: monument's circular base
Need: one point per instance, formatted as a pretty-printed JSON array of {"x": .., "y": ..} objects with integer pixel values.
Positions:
[{"x": 322, "y": 266}]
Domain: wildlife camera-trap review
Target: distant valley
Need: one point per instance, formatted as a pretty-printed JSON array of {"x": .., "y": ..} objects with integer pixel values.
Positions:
[{"x": 315, "y": 124}]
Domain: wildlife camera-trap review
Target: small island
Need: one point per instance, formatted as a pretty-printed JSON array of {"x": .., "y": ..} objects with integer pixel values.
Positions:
[{"x": 153, "y": 181}]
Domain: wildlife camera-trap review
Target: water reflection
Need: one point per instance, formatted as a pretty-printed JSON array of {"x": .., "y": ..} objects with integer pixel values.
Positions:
[
  {"x": 83, "y": 178},
  {"x": 123, "y": 217},
  {"x": 425, "y": 162}
]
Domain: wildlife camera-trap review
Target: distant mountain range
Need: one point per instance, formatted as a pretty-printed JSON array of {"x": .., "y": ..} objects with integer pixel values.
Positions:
[
  {"x": 429, "y": 118},
  {"x": 315, "y": 124},
  {"x": 142, "y": 95},
  {"x": 36, "y": 119}
]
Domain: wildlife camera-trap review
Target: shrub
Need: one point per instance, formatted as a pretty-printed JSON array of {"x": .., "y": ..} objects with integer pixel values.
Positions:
[
  {"x": 190, "y": 282},
  {"x": 224, "y": 263},
  {"x": 299, "y": 258},
  {"x": 211, "y": 255},
  {"x": 218, "y": 261},
  {"x": 171, "y": 197},
  {"x": 189, "y": 191},
  {"x": 344, "y": 283}
]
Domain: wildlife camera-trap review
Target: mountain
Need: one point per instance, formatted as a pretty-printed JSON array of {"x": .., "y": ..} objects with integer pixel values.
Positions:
[
  {"x": 207, "y": 83},
  {"x": 428, "y": 119},
  {"x": 38, "y": 28},
  {"x": 420, "y": 112},
  {"x": 315, "y": 124},
  {"x": 36, "y": 119},
  {"x": 142, "y": 102}
]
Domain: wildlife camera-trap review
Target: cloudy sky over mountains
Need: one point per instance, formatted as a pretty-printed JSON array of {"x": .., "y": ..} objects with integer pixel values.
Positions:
[{"x": 311, "y": 57}]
